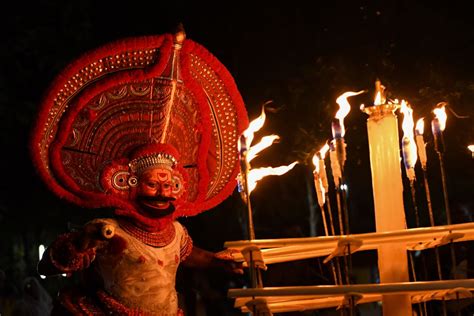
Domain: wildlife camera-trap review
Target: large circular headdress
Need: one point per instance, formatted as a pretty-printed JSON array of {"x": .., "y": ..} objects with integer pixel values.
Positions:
[{"x": 155, "y": 89}]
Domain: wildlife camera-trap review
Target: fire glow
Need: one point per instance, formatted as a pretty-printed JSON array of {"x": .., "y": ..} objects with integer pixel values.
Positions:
[
  {"x": 420, "y": 142},
  {"x": 266, "y": 142},
  {"x": 420, "y": 126},
  {"x": 258, "y": 174},
  {"x": 441, "y": 116},
  {"x": 316, "y": 160},
  {"x": 438, "y": 124},
  {"x": 320, "y": 176},
  {"x": 344, "y": 109},
  {"x": 378, "y": 98},
  {"x": 408, "y": 140},
  {"x": 255, "y": 175},
  {"x": 254, "y": 126}
]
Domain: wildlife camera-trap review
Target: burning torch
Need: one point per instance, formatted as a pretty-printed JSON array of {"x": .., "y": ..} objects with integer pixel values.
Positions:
[
  {"x": 322, "y": 193},
  {"x": 249, "y": 177},
  {"x": 337, "y": 157},
  {"x": 438, "y": 125},
  {"x": 338, "y": 154},
  {"x": 409, "y": 152}
]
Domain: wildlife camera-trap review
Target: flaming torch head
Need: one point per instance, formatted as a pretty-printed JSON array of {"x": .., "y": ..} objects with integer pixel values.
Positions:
[
  {"x": 254, "y": 127},
  {"x": 244, "y": 167},
  {"x": 441, "y": 117},
  {"x": 316, "y": 162},
  {"x": 322, "y": 167},
  {"x": 420, "y": 126},
  {"x": 471, "y": 148},
  {"x": 248, "y": 177},
  {"x": 338, "y": 130},
  {"x": 438, "y": 124},
  {"x": 408, "y": 141},
  {"x": 243, "y": 145},
  {"x": 257, "y": 174},
  {"x": 318, "y": 185},
  {"x": 420, "y": 142}
]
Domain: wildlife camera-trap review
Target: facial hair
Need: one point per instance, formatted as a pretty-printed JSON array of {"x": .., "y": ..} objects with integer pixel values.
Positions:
[{"x": 155, "y": 212}]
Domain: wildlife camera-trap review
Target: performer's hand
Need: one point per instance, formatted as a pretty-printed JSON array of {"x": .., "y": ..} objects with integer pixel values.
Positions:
[
  {"x": 95, "y": 235},
  {"x": 76, "y": 250},
  {"x": 228, "y": 263}
]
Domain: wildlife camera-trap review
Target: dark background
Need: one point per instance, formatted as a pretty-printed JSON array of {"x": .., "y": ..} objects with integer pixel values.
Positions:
[{"x": 302, "y": 58}]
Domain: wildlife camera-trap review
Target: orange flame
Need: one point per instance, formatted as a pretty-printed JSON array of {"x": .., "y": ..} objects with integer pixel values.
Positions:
[
  {"x": 316, "y": 162},
  {"x": 344, "y": 107},
  {"x": 318, "y": 182},
  {"x": 322, "y": 154},
  {"x": 471, "y": 148},
  {"x": 379, "y": 93},
  {"x": 254, "y": 126},
  {"x": 256, "y": 175},
  {"x": 409, "y": 145},
  {"x": 420, "y": 126},
  {"x": 266, "y": 142},
  {"x": 378, "y": 98},
  {"x": 440, "y": 114},
  {"x": 408, "y": 124},
  {"x": 324, "y": 150}
]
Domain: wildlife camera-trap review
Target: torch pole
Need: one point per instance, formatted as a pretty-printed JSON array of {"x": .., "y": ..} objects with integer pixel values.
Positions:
[
  {"x": 323, "y": 181},
  {"x": 255, "y": 277},
  {"x": 333, "y": 233},
  {"x": 320, "y": 196},
  {"x": 340, "y": 148},
  {"x": 428, "y": 197},
  {"x": 423, "y": 161},
  {"x": 409, "y": 157},
  {"x": 445, "y": 189},
  {"x": 337, "y": 175},
  {"x": 432, "y": 222},
  {"x": 439, "y": 148},
  {"x": 420, "y": 143},
  {"x": 318, "y": 184},
  {"x": 413, "y": 200}
]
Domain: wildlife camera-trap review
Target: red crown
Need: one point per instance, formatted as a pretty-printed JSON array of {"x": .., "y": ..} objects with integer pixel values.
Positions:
[{"x": 121, "y": 98}]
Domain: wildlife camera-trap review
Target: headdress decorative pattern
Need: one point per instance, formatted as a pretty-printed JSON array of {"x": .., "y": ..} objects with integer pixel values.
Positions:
[
  {"x": 138, "y": 165},
  {"x": 155, "y": 89}
]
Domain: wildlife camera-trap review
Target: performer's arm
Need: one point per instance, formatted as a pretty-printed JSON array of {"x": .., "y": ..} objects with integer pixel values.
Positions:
[
  {"x": 200, "y": 258},
  {"x": 75, "y": 251},
  {"x": 66, "y": 256}
]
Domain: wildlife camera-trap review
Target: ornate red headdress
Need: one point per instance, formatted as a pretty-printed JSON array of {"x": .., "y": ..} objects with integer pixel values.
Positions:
[{"x": 109, "y": 111}]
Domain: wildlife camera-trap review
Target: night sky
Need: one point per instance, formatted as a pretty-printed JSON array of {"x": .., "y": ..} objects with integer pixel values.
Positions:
[{"x": 299, "y": 57}]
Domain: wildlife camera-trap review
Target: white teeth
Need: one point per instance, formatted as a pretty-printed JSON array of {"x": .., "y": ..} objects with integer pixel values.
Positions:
[{"x": 160, "y": 204}]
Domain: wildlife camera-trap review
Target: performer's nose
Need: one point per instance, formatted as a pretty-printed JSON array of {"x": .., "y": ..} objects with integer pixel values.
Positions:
[{"x": 159, "y": 190}]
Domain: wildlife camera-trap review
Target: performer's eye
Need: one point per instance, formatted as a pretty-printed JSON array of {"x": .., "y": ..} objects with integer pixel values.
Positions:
[{"x": 151, "y": 184}]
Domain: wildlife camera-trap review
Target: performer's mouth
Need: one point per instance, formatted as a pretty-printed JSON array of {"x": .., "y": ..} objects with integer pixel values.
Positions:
[{"x": 157, "y": 206}]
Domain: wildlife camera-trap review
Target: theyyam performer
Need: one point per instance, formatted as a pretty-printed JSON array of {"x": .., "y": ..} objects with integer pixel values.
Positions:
[{"x": 147, "y": 126}]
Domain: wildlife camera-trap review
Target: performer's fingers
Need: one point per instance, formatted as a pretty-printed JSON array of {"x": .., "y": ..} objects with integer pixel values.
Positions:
[{"x": 95, "y": 233}]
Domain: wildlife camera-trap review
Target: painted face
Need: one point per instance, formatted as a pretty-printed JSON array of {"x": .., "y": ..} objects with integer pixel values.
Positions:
[{"x": 155, "y": 192}]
